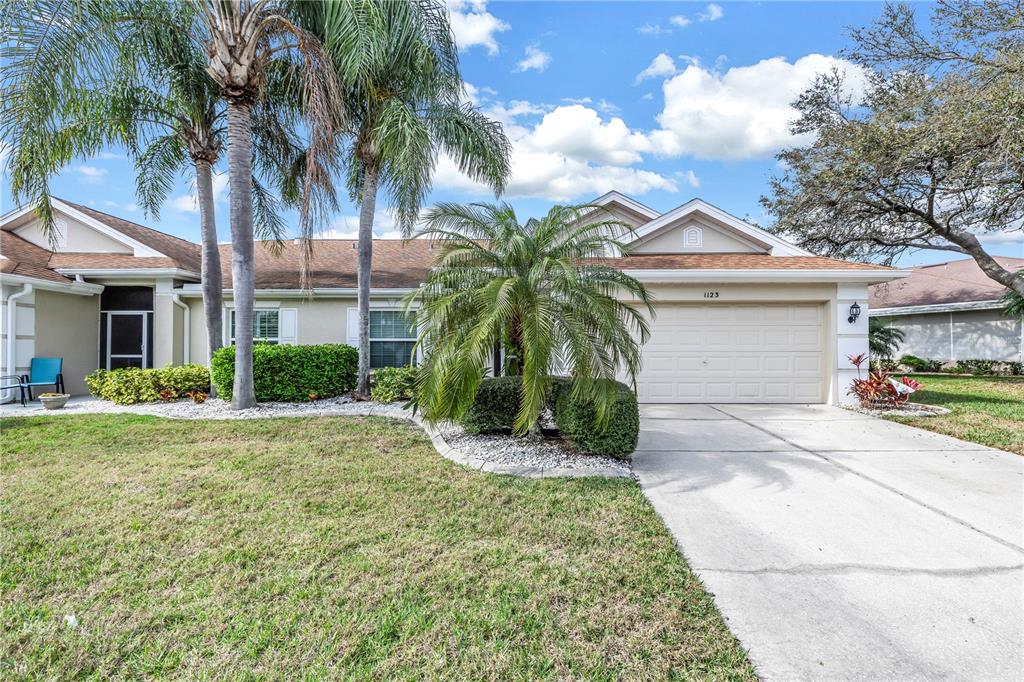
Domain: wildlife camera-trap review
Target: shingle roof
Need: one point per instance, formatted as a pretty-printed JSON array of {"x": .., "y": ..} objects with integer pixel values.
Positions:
[
  {"x": 733, "y": 261},
  {"x": 185, "y": 254},
  {"x": 958, "y": 281},
  {"x": 21, "y": 257},
  {"x": 397, "y": 264}
]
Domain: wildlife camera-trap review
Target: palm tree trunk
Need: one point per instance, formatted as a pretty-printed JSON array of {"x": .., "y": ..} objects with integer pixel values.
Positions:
[
  {"x": 242, "y": 269},
  {"x": 213, "y": 304},
  {"x": 366, "y": 210}
]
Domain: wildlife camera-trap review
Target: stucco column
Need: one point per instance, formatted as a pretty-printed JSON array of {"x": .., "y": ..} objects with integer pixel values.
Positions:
[
  {"x": 851, "y": 337},
  {"x": 166, "y": 325}
]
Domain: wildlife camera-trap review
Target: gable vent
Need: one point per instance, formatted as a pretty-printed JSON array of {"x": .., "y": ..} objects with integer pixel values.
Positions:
[{"x": 693, "y": 238}]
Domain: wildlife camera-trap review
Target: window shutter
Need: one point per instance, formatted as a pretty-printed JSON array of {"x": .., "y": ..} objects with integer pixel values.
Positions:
[
  {"x": 287, "y": 325},
  {"x": 352, "y": 327}
]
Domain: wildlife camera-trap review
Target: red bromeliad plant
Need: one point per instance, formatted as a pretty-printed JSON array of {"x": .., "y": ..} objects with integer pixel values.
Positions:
[{"x": 879, "y": 389}]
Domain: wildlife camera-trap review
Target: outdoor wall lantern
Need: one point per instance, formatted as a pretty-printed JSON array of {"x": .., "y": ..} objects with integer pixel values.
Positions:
[{"x": 854, "y": 313}]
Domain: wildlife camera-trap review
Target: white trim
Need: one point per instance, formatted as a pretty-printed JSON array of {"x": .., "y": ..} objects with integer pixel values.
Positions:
[
  {"x": 186, "y": 323},
  {"x": 761, "y": 275},
  {"x": 138, "y": 248},
  {"x": 628, "y": 202},
  {"x": 935, "y": 308},
  {"x": 128, "y": 272},
  {"x": 777, "y": 245},
  {"x": 77, "y": 288}
]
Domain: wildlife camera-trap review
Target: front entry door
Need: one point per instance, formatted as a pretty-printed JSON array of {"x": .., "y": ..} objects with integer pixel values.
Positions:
[{"x": 126, "y": 334}]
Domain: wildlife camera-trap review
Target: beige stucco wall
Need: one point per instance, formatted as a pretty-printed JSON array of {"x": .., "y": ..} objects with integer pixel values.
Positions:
[
  {"x": 80, "y": 237},
  {"x": 67, "y": 325},
  {"x": 960, "y": 335},
  {"x": 714, "y": 241}
]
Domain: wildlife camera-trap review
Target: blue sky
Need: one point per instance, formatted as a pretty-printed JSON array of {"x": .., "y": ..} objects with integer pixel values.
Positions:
[{"x": 663, "y": 101}]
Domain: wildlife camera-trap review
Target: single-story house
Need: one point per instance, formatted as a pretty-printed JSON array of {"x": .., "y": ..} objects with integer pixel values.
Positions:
[
  {"x": 951, "y": 311},
  {"x": 742, "y": 315}
]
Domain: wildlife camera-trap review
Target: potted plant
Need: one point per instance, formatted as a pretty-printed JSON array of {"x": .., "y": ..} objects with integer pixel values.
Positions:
[{"x": 53, "y": 401}]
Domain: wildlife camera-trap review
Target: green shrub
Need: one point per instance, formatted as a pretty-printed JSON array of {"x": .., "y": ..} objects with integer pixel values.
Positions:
[
  {"x": 393, "y": 383},
  {"x": 495, "y": 406},
  {"x": 284, "y": 373},
  {"x": 577, "y": 420},
  {"x": 919, "y": 365},
  {"x": 131, "y": 385}
]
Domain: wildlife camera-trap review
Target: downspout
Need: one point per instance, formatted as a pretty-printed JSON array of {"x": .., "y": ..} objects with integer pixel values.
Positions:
[
  {"x": 12, "y": 335},
  {"x": 186, "y": 319}
]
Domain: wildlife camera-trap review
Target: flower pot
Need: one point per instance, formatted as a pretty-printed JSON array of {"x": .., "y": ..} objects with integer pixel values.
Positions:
[{"x": 54, "y": 401}]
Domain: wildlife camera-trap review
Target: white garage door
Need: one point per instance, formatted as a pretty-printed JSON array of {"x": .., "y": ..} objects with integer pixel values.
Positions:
[{"x": 734, "y": 353}]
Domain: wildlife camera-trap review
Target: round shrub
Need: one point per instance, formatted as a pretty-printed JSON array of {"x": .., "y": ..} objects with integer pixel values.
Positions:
[
  {"x": 131, "y": 385},
  {"x": 495, "y": 406},
  {"x": 393, "y": 383},
  {"x": 577, "y": 420},
  {"x": 285, "y": 373}
]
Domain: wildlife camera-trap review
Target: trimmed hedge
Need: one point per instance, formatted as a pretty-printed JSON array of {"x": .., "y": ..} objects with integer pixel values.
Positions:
[
  {"x": 136, "y": 385},
  {"x": 393, "y": 383},
  {"x": 577, "y": 420},
  {"x": 284, "y": 373},
  {"x": 920, "y": 365},
  {"x": 969, "y": 366},
  {"x": 495, "y": 407},
  {"x": 497, "y": 403}
]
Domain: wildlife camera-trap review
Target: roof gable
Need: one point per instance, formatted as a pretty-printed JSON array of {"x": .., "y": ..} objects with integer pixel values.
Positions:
[{"x": 700, "y": 213}]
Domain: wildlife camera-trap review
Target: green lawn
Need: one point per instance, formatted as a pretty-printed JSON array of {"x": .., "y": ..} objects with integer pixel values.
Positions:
[
  {"x": 341, "y": 548},
  {"x": 986, "y": 410}
]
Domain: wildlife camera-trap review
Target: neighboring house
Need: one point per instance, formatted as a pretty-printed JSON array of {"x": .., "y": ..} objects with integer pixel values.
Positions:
[
  {"x": 951, "y": 311},
  {"x": 742, "y": 315}
]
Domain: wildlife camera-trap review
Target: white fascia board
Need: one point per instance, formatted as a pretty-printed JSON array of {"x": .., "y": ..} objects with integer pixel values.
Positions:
[
  {"x": 778, "y": 246},
  {"x": 78, "y": 288},
  {"x": 935, "y": 308},
  {"x": 716, "y": 275},
  {"x": 128, "y": 273},
  {"x": 628, "y": 202},
  {"x": 324, "y": 292},
  {"x": 138, "y": 248}
]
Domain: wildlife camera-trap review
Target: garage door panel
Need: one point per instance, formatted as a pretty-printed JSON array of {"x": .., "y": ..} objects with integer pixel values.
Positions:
[{"x": 734, "y": 353}]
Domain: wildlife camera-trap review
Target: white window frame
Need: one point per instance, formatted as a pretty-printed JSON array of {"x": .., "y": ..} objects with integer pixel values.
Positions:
[
  {"x": 413, "y": 338},
  {"x": 229, "y": 328}
]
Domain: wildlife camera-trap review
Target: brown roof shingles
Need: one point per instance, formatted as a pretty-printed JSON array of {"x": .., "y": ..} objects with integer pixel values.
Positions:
[
  {"x": 397, "y": 264},
  {"x": 185, "y": 254},
  {"x": 958, "y": 281},
  {"x": 21, "y": 257}
]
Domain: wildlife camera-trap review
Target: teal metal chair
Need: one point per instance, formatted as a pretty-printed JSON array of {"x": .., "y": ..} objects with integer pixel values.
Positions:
[
  {"x": 44, "y": 372},
  {"x": 11, "y": 382}
]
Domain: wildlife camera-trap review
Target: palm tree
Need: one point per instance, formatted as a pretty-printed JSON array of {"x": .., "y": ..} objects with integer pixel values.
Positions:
[
  {"x": 403, "y": 97},
  {"x": 541, "y": 291},
  {"x": 244, "y": 39},
  {"x": 883, "y": 340},
  {"x": 148, "y": 91}
]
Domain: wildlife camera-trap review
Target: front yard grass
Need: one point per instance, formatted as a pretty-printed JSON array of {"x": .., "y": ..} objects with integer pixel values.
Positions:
[
  {"x": 985, "y": 410},
  {"x": 341, "y": 548}
]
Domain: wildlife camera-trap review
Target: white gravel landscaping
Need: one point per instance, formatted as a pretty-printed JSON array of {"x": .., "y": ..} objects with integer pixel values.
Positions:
[
  {"x": 529, "y": 457},
  {"x": 539, "y": 452},
  {"x": 908, "y": 410}
]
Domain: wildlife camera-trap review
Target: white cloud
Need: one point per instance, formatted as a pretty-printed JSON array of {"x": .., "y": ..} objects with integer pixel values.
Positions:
[
  {"x": 474, "y": 25},
  {"x": 690, "y": 178},
  {"x": 742, "y": 113},
  {"x": 1009, "y": 236},
  {"x": 661, "y": 66},
  {"x": 656, "y": 30},
  {"x": 189, "y": 203},
  {"x": 125, "y": 208},
  {"x": 571, "y": 153},
  {"x": 91, "y": 174},
  {"x": 347, "y": 227},
  {"x": 110, "y": 156},
  {"x": 680, "y": 21},
  {"x": 648, "y": 96},
  {"x": 536, "y": 59},
  {"x": 713, "y": 12}
]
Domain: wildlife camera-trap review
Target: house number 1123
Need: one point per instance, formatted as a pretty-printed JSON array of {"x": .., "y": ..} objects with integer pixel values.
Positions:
[{"x": 710, "y": 294}]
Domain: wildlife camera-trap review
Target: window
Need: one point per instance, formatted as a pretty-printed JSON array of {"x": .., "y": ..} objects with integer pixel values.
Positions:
[
  {"x": 392, "y": 338},
  {"x": 265, "y": 326}
]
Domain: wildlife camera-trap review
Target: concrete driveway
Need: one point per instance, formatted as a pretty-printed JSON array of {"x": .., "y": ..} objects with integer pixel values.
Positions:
[{"x": 840, "y": 546}]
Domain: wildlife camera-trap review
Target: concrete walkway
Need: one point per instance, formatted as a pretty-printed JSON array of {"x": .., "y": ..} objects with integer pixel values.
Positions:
[{"x": 840, "y": 546}]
